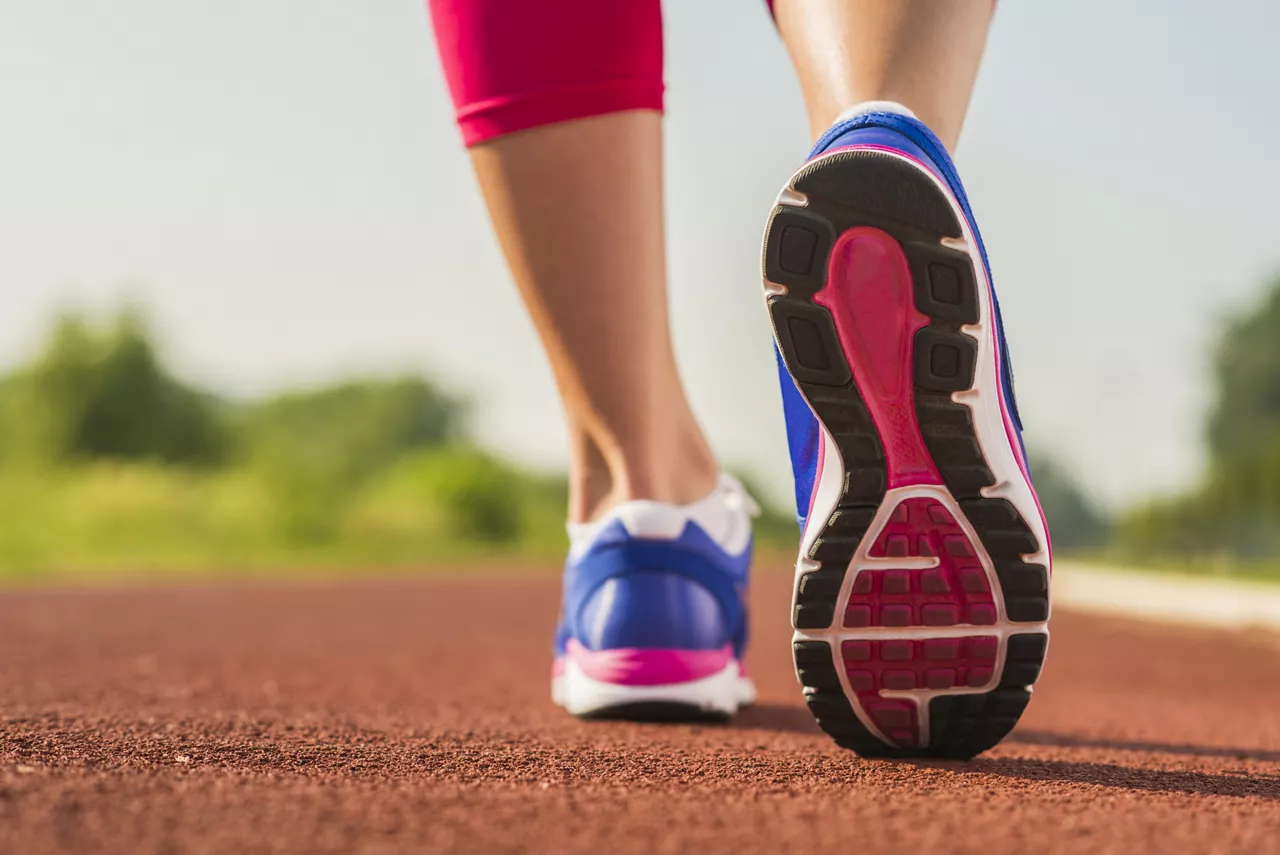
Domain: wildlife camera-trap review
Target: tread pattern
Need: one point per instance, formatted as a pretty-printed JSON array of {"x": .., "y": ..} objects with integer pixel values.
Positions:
[
  {"x": 864, "y": 188},
  {"x": 807, "y": 340},
  {"x": 954, "y": 591},
  {"x": 826, "y": 699}
]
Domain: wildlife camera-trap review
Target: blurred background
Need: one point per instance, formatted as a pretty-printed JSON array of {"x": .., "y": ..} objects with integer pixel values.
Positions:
[{"x": 254, "y": 319}]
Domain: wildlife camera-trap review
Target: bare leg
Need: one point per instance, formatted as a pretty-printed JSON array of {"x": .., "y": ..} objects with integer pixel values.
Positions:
[
  {"x": 578, "y": 211},
  {"x": 921, "y": 53}
]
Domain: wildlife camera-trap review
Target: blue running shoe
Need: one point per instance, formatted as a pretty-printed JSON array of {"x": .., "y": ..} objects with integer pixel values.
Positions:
[
  {"x": 654, "y": 624},
  {"x": 921, "y": 601}
]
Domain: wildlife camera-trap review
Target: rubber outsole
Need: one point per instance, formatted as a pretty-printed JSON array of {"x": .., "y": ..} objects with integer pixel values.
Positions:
[
  {"x": 716, "y": 697},
  {"x": 929, "y": 647},
  {"x": 669, "y": 712}
]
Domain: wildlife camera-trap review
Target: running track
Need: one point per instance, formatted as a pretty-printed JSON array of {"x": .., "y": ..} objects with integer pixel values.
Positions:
[{"x": 413, "y": 716}]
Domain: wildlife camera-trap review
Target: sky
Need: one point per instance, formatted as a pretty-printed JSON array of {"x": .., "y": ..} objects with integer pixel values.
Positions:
[{"x": 281, "y": 185}]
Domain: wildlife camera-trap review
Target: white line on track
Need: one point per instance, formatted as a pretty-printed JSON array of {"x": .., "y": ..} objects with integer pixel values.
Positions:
[{"x": 1165, "y": 597}]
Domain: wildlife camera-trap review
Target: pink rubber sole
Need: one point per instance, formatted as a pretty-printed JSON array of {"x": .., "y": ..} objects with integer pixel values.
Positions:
[{"x": 870, "y": 297}]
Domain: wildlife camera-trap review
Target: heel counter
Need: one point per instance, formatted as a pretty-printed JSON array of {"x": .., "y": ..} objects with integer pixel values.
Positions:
[{"x": 651, "y": 610}]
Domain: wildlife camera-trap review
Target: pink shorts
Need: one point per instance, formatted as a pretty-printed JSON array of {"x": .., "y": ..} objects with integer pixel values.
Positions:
[{"x": 517, "y": 64}]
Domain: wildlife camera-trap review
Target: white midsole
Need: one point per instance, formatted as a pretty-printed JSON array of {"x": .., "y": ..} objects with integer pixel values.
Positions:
[{"x": 724, "y": 692}]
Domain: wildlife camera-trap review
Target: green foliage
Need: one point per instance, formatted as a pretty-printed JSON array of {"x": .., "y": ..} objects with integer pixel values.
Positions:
[
  {"x": 108, "y": 462},
  {"x": 136, "y": 519},
  {"x": 317, "y": 447},
  {"x": 345, "y": 432},
  {"x": 1075, "y": 522},
  {"x": 460, "y": 495},
  {"x": 100, "y": 392},
  {"x": 1234, "y": 515},
  {"x": 451, "y": 493},
  {"x": 1246, "y": 417}
]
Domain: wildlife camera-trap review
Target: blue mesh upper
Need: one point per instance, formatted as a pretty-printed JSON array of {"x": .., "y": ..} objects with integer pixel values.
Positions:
[{"x": 684, "y": 594}]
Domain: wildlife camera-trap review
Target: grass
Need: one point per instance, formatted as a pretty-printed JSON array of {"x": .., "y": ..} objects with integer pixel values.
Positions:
[
  {"x": 443, "y": 509},
  {"x": 105, "y": 521},
  {"x": 108, "y": 522}
]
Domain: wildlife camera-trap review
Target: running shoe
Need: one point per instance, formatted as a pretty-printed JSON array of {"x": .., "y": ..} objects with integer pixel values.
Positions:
[
  {"x": 654, "y": 624},
  {"x": 921, "y": 599}
]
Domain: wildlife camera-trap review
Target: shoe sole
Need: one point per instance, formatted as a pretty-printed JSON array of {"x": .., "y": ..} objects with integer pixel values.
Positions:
[
  {"x": 921, "y": 599},
  {"x": 716, "y": 697}
]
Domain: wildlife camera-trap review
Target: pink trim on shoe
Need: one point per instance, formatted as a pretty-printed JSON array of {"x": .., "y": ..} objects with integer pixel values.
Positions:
[{"x": 631, "y": 666}]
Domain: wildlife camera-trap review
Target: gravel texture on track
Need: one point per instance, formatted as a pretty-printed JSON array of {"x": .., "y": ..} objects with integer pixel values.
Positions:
[{"x": 413, "y": 716}]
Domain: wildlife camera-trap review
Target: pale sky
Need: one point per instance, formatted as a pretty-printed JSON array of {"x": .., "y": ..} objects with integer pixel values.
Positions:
[{"x": 282, "y": 185}]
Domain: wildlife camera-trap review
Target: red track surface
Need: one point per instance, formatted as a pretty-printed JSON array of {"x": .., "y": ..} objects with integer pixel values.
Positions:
[{"x": 414, "y": 716}]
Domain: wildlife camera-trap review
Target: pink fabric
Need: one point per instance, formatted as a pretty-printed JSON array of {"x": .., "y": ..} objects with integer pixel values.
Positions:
[
  {"x": 518, "y": 64},
  {"x": 648, "y": 667},
  {"x": 869, "y": 295}
]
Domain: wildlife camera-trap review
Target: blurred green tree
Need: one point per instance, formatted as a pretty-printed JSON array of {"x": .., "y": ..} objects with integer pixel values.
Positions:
[
  {"x": 1235, "y": 512},
  {"x": 1075, "y": 522},
  {"x": 316, "y": 447},
  {"x": 1245, "y": 419},
  {"x": 347, "y": 431},
  {"x": 457, "y": 493},
  {"x": 102, "y": 392}
]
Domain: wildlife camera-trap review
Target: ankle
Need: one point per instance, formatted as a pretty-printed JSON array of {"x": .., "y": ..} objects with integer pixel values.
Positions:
[
  {"x": 679, "y": 479},
  {"x": 590, "y": 493},
  {"x": 682, "y": 476}
]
